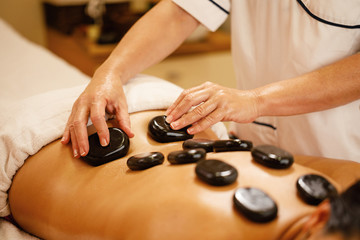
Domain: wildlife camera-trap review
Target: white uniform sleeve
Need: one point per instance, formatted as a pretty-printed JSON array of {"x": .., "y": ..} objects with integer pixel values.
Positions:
[{"x": 210, "y": 13}]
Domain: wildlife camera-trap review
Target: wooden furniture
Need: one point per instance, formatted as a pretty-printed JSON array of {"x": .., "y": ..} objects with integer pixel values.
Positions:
[
  {"x": 87, "y": 55},
  {"x": 66, "y": 15}
]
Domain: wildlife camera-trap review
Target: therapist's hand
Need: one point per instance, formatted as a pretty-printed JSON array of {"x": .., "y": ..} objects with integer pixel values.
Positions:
[
  {"x": 104, "y": 93},
  {"x": 212, "y": 103}
]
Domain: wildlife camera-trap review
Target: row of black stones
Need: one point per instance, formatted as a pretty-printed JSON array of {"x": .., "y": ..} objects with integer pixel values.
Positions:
[
  {"x": 266, "y": 155},
  {"x": 212, "y": 171},
  {"x": 218, "y": 145},
  {"x": 252, "y": 202},
  {"x": 144, "y": 161}
]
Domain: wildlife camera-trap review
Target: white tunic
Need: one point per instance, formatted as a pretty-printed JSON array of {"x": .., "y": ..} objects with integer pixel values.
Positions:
[{"x": 273, "y": 40}]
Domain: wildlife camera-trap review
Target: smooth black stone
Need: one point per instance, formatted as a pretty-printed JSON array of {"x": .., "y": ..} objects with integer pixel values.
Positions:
[
  {"x": 145, "y": 160},
  {"x": 117, "y": 148},
  {"x": 255, "y": 204},
  {"x": 216, "y": 172},
  {"x": 272, "y": 157},
  {"x": 205, "y": 144},
  {"x": 187, "y": 156},
  {"x": 233, "y": 136},
  {"x": 160, "y": 131},
  {"x": 313, "y": 189},
  {"x": 232, "y": 145}
]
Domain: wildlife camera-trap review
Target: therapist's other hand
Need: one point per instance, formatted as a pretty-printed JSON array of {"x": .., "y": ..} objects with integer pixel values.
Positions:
[
  {"x": 103, "y": 94},
  {"x": 211, "y": 103}
]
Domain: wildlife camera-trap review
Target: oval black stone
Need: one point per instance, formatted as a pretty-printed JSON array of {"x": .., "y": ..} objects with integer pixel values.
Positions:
[
  {"x": 160, "y": 131},
  {"x": 187, "y": 156},
  {"x": 272, "y": 157},
  {"x": 145, "y": 160},
  {"x": 205, "y": 144},
  {"x": 117, "y": 148},
  {"x": 255, "y": 204},
  {"x": 313, "y": 189},
  {"x": 216, "y": 172},
  {"x": 232, "y": 145}
]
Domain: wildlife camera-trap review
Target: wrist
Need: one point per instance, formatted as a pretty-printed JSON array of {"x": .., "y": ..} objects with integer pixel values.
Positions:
[
  {"x": 108, "y": 73},
  {"x": 258, "y": 102}
]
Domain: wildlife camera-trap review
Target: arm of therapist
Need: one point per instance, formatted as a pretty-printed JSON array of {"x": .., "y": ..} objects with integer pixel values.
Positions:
[
  {"x": 331, "y": 86},
  {"x": 150, "y": 40}
]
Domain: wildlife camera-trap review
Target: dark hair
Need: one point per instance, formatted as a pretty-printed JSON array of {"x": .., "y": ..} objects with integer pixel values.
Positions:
[{"x": 345, "y": 212}]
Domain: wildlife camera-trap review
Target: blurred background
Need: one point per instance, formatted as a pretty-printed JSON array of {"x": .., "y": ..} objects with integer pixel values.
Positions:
[{"x": 84, "y": 34}]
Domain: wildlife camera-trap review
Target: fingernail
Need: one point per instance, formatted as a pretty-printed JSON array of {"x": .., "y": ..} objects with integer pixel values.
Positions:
[
  {"x": 190, "y": 130},
  {"x": 76, "y": 153},
  {"x": 104, "y": 142},
  {"x": 82, "y": 152},
  {"x": 168, "y": 119},
  {"x": 62, "y": 139},
  {"x": 174, "y": 125}
]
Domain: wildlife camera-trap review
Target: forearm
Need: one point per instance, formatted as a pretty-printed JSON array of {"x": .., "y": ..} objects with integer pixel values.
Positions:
[
  {"x": 328, "y": 87},
  {"x": 150, "y": 40}
]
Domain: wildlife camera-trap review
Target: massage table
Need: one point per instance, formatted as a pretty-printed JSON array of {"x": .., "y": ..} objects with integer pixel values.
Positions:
[{"x": 36, "y": 95}]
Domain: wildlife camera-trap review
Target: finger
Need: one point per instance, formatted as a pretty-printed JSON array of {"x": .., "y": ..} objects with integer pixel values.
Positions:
[
  {"x": 123, "y": 118},
  {"x": 206, "y": 122},
  {"x": 66, "y": 136},
  {"x": 190, "y": 100},
  {"x": 80, "y": 130},
  {"x": 97, "y": 116},
  {"x": 74, "y": 142},
  {"x": 169, "y": 111},
  {"x": 199, "y": 112}
]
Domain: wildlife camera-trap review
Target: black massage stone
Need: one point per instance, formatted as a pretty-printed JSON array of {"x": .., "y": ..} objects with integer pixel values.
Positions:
[
  {"x": 313, "y": 189},
  {"x": 117, "y": 148},
  {"x": 187, "y": 156},
  {"x": 232, "y": 145},
  {"x": 145, "y": 160},
  {"x": 272, "y": 157},
  {"x": 255, "y": 205},
  {"x": 205, "y": 144},
  {"x": 161, "y": 131},
  {"x": 216, "y": 172}
]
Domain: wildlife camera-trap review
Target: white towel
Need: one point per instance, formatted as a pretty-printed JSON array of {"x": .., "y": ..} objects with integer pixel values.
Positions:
[{"x": 33, "y": 113}]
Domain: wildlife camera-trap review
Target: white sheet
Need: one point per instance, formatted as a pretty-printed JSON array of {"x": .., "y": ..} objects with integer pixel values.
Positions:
[{"x": 36, "y": 95}]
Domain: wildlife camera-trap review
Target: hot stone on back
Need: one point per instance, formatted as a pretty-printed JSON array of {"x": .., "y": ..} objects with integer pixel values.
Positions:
[
  {"x": 187, "y": 156},
  {"x": 216, "y": 172},
  {"x": 206, "y": 144},
  {"x": 160, "y": 131},
  {"x": 313, "y": 189},
  {"x": 145, "y": 160},
  {"x": 232, "y": 145},
  {"x": 254, "y": 204},
  {"x": 272, "y": 157},
  {"x": 117, "y": 148}
]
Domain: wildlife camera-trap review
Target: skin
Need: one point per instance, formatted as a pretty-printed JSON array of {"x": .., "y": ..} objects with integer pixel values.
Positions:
[
  {"x": 150, "y": 40},
  {"x": 159, "y": 33},
  {"x": 56, "y": 196},
  {"x": 334, "y": 85}
]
